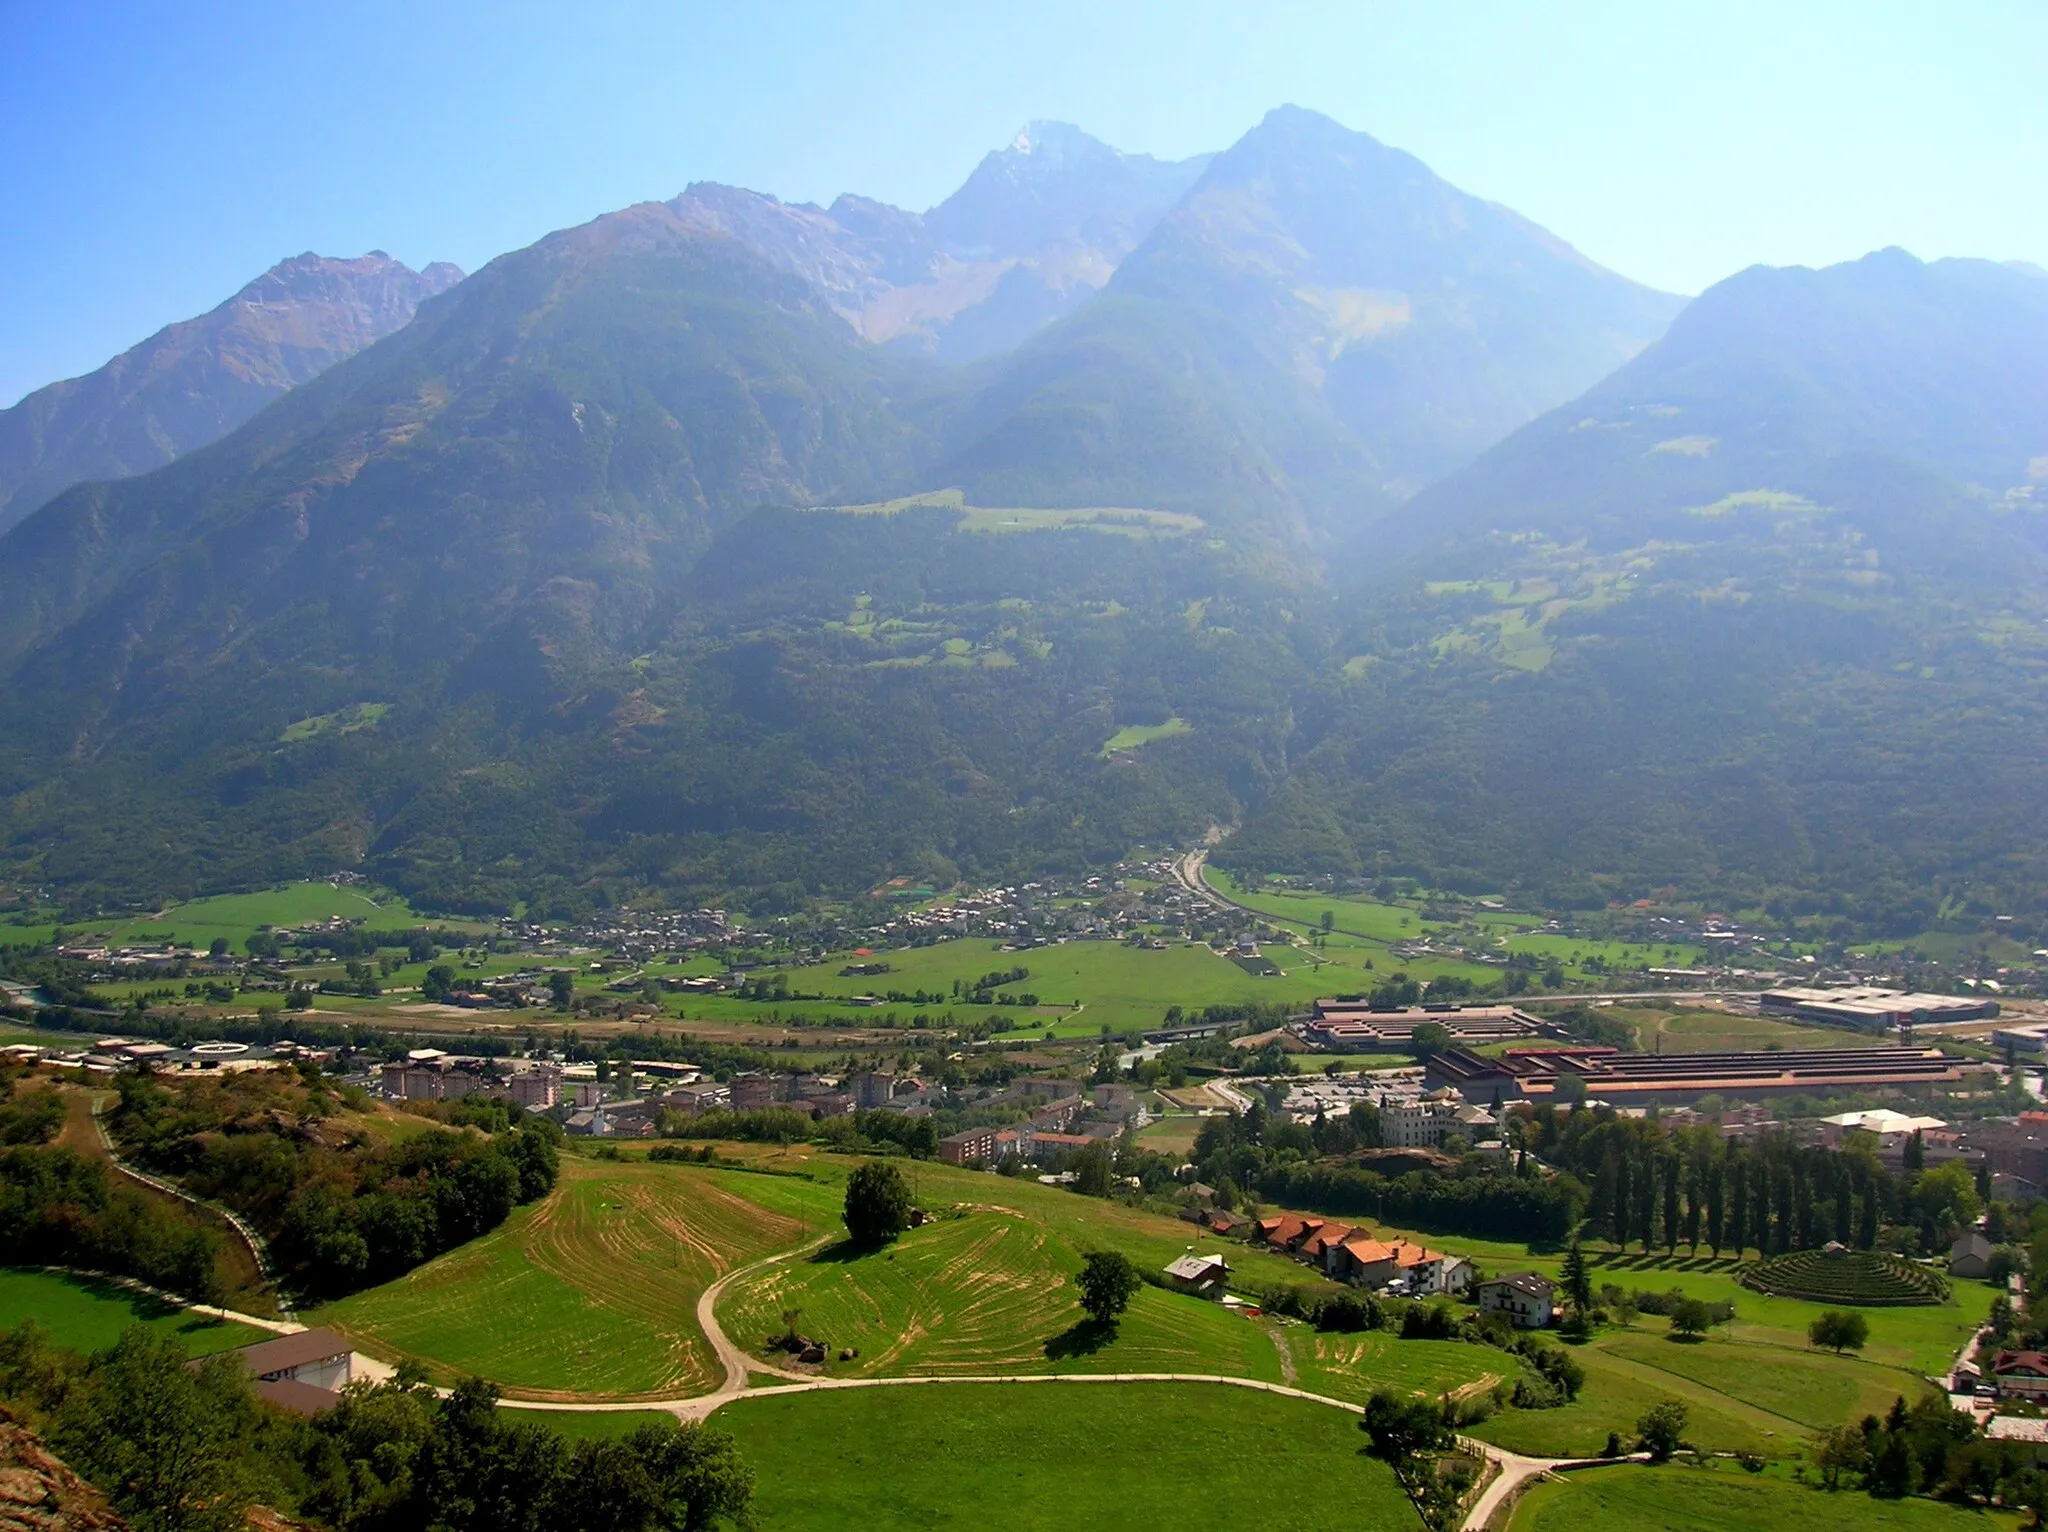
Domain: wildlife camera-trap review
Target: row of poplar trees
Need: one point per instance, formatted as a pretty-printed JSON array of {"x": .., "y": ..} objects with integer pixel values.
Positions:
[{"x": 1689, "y": 1187}]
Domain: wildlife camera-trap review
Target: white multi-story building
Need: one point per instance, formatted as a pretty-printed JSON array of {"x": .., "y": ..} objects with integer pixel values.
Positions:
[{"x": 1420, "y": 1124}]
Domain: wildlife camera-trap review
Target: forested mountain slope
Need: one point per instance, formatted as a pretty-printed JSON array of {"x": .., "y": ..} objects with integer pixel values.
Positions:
[
  {"x": 1762, "y": 614},
  {"x": 193, "y": 382},
  {"x": 614, "y": 575}
]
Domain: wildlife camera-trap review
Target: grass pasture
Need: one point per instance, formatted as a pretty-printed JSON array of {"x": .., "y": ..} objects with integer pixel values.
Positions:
[
  {"x": 985, "y": 1293},
  {"x": 84, "y": 1314},
  {"x": 591, "y": 1292},
  {"x": 1724, "y": 1498},
  {"x": 1122, "y": 521},
  {"x": 1050, "y": 1457},
  {"x": 1698, "y": 1031},
  {"x": 237, "y": 916},
  {"x": 1353, "y": 1366}
]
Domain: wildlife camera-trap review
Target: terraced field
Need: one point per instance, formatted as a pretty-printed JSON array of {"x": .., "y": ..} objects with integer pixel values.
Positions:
[
  {"x": 591, "y": 1292},
  {"x": 985, "y": 1293},
  {"x": 1866, "y": 1278}
]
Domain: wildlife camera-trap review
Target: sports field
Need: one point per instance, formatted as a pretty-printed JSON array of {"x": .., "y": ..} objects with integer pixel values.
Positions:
[
  {"x": 1724, "y": 1498},
  {"x": 592, "y": 1291},
  {"x": 1051, "y": 1457},
  {"x": 87, "y": 1315},
  {"x": 985, "y": 1293}
]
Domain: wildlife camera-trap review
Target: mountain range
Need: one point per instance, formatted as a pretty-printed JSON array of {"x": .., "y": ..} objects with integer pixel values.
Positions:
[
  {"x": 191, "y": 383},
  {"x": 728, "y": 548}
]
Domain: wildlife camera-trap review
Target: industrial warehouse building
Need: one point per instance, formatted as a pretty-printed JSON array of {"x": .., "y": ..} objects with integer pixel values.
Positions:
[
  {"x": 1673, "y": 1079},
  {"x": 1874, "y": 1010},
  {"x": 1352, "y": 1026}
]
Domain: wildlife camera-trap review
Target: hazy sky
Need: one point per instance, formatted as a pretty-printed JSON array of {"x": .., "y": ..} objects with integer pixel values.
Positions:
[{"x": 158, "y": 156}]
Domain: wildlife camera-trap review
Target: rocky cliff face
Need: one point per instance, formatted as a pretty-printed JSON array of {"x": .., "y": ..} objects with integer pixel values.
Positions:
[
  {"x": 193, "y": 382},
  {"x": 1037, "y": 228},
  {"x": 40, "y": 1493}
]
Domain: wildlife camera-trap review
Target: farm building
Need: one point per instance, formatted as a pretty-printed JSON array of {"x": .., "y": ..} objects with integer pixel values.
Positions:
[
  {"x": 2030, "y": 1435},
  {"x": 1527, "y": 1299},
  {"x": 1202, "y": 1275},
  {"x": 1970, "y": 1256},
  {"x": 304, "y": 1372}
]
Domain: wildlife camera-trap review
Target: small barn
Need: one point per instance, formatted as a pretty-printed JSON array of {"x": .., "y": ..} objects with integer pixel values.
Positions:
[{"x": 1202, "y": 1275}]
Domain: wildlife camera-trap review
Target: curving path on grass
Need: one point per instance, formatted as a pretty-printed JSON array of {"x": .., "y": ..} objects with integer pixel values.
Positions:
[{"x": 1514, "y": 1472}]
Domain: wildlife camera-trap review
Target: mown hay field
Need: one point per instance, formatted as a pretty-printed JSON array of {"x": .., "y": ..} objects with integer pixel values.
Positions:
[
  {"x": 984, "y": 1293},
  {"x": 591, "y": 1292},
  {"x": 1723, "y": 1498},
  {"x": 1051, "y": 1457},
  {"x": 1354, "y": 1366}
]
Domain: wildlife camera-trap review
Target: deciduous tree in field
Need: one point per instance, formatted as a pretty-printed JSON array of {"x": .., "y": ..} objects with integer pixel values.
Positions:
[
  {"x": 1690, "y": 1317},
  {"x": 1839, "y": 1331},
  {"x": 1661, "y": 1429},
  {"x": 1108, "y": 1282},
  {"x": 877, "y": 1204}
]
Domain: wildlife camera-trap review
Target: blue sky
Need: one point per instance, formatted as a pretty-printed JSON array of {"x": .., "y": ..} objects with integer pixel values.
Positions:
[{"x": 160, "y": 155}]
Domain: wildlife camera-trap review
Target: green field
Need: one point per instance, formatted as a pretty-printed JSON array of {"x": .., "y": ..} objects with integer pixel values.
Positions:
[
  {"x": 1053, "y": 1457},
  {"x": 586, "y": 1425},
  {"x": 86, "y": 1315},
  {"x": 1119, "y": 520},
  {"x": 1353, "y": 1366},
  {"x": 1132, "y": 735},
  {"x": 1724, "y": 1498},
  {"x": 1717, "y": 1031},
  {"x": 1117, "y": 987},
  {"x": 592, "y": 1291},
  {"x": 1366, "y": 927},
  {"x": 237, "y": 916},
  {"x": 985, "y": 1293}
]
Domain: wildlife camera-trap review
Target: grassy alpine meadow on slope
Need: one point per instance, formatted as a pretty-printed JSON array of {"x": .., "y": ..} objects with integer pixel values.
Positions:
[
  {"x": 89, "y": 1314},
  {"x": 1050, "y": 1457},
  {"x": 591, "y": 1291},
  {"x": 988, "y": 1293},
  {"x": 1724, "y": 1498}
]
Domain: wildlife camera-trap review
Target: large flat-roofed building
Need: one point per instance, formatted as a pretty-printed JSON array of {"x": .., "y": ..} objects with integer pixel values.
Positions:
[
  {"x": 1874, "y": 1010},
  {"x": 1354, "y": 1026},
  {"x": 1637, "y": 1079}
]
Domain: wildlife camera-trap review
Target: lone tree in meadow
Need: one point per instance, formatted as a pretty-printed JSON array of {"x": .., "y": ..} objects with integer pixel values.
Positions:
[
  {"x": 1839, "y": 1331},
  {"x": 877, "y": 1204},
  {"x": 1690, "y": 1318},
  {"x": 1661, "y": 1431},
  {"x": 1108, "y": 1282}
]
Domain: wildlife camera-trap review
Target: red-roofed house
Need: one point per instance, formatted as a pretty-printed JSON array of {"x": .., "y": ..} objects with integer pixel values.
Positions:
[{"x": 2024, "y": 1373}]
